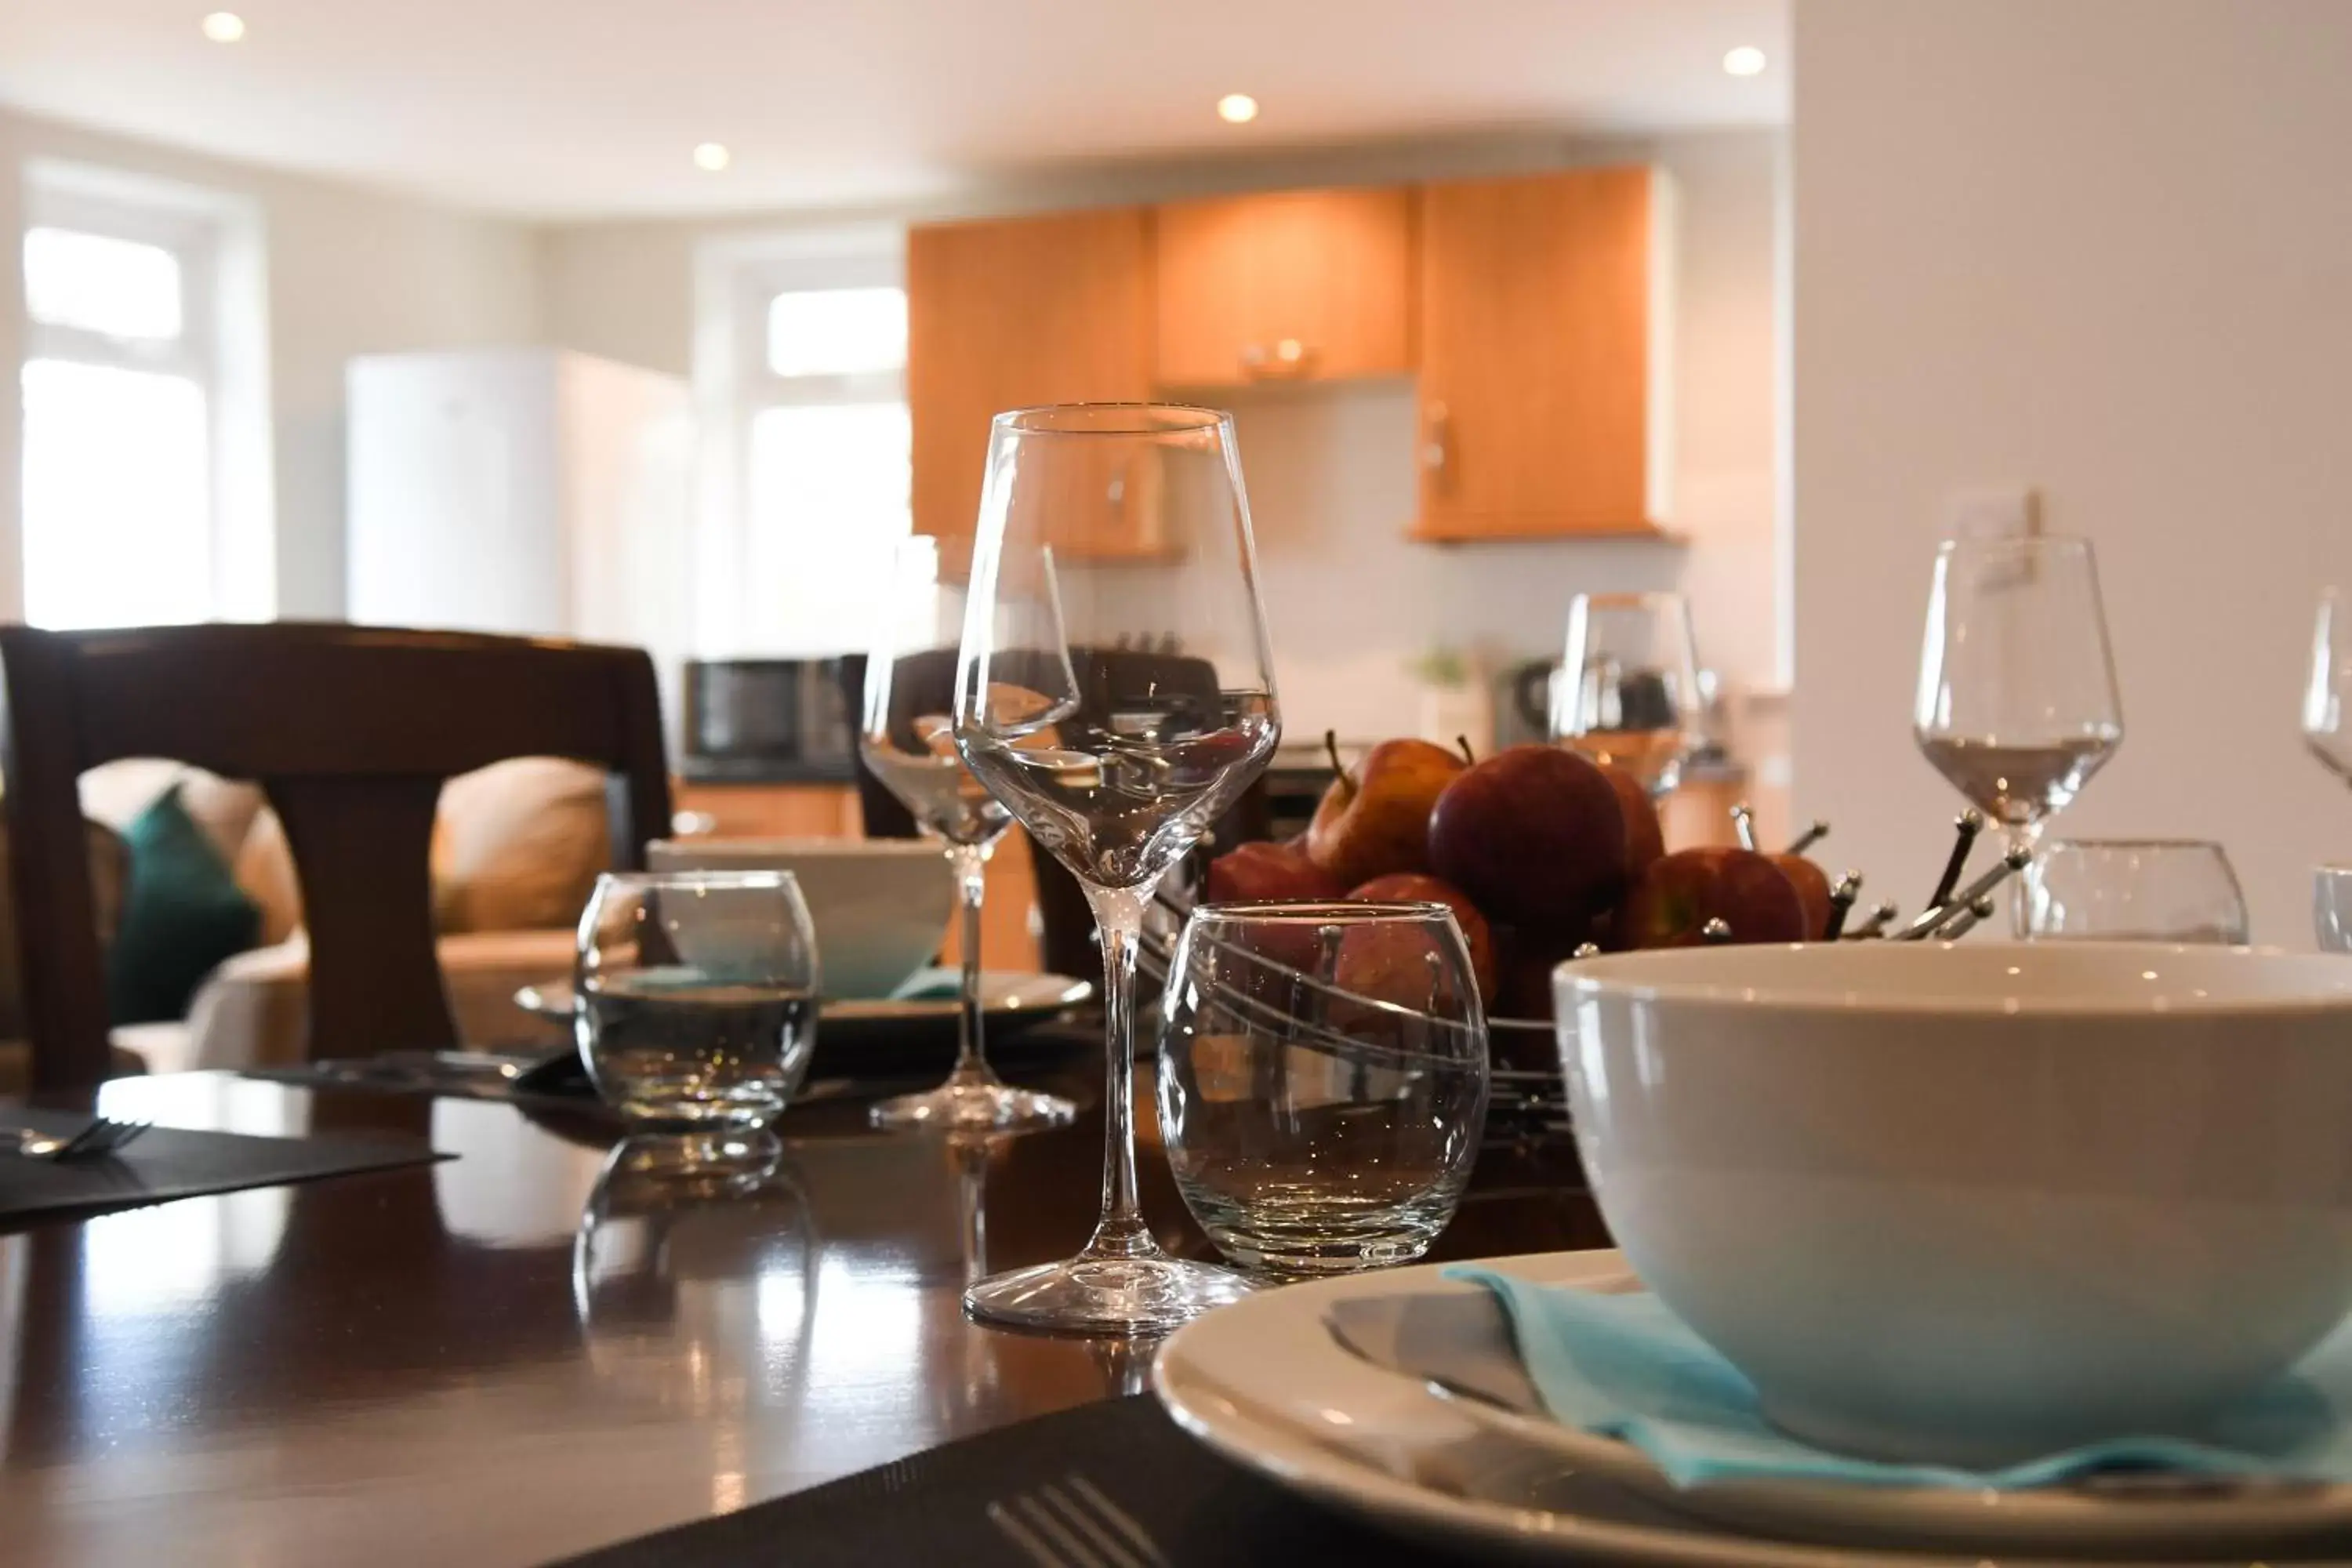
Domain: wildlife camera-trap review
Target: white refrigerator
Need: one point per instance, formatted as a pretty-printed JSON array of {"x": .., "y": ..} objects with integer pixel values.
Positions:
[{"x": 532, "y": 491}]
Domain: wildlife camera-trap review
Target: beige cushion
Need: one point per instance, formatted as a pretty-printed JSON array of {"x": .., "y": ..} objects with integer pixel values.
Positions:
[
  {"x": 264, "y": 868},
  {"x": 115, "y": 793},
  {"x": 253, "y": 1011},
  {"x": 518, "y": 846}
]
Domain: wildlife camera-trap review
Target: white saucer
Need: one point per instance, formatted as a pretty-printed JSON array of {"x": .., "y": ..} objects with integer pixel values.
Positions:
[{"x": 1264, "y": 1383}]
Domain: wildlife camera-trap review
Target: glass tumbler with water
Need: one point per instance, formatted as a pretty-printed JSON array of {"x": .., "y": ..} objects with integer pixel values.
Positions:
[
  {"x": 1323, "y": 1081},
  {"x": 698, "y": 996}
]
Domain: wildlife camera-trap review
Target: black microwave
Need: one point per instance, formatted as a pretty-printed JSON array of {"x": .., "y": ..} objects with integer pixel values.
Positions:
[{"x": 769, "y": 719}]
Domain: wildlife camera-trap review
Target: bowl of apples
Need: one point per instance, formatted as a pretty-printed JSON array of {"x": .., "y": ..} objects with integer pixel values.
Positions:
[{"x": 1540, "y": 853}]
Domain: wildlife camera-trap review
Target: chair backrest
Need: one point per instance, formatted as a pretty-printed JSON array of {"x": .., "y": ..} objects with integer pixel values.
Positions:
[
  {"x": 1067, "y": 945},
  {"x": 350, "y": 732}
]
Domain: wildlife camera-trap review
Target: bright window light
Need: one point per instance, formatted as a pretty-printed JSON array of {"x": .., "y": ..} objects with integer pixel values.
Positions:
[
  {"x": 828, "y": 504},
  {"x": 837, "y": 332},
  {"x": 100, "y": 284},
  {"x": 117, "y": 519},
  {"x": 1745, "y": 60}
]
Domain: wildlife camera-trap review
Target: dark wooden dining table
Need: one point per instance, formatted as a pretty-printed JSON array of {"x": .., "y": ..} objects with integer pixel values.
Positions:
[{"x": 492, "y": 1360}]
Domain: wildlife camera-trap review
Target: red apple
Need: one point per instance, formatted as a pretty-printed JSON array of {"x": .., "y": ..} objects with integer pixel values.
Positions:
[
  {"x": 1645, "y": 837},
  {"x": 1682, "y": 892},
  {"x": 1263, "y": 873},
  {"x": 1412, "y": 888},
  {"x": 1812, "y": 885},
  {"x": 1374, "y": 819},
  {"x": 1535, "y": 834}
]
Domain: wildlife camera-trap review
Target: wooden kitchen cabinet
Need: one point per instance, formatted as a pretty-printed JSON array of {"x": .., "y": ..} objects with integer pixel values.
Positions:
[
  {"x": 1288, "y": 285},
  {"x": 1012, "y": 312},
  {"x": 1541, "y": 392}
]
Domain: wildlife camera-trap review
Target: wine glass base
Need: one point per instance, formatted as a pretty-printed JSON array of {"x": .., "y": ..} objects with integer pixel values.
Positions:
[
  {"x": 972, "y": 1107},
  {"x": 1109, "y": 1296}
]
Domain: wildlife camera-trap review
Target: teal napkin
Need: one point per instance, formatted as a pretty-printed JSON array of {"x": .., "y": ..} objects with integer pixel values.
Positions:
[{"x": 1626, "y": 1367}]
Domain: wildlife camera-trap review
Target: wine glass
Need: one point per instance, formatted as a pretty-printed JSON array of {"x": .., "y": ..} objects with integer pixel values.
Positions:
[
  {"x": 1107, "y": 530},
  {"x": 2017, "y": 704},
  {"x": 2324, "y": 725},
  {"x": 909, "y": 741},
  {"x": 2134, "y": 890},
  {"x": 1627, "y": 687}
]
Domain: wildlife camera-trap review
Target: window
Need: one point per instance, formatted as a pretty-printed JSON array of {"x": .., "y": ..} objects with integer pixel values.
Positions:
[
  {"x": 137, "y": 485},
  {"x": 813, "y": 495}
]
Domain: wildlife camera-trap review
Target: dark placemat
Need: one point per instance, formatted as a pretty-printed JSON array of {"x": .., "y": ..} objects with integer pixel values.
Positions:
[
  {"x": 1200, "y": 1511},
  {"x": 167, "y": 1162}
]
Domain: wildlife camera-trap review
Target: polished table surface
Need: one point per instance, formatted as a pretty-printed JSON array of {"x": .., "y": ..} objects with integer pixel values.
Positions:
[{"x": 497, "y": 1360}]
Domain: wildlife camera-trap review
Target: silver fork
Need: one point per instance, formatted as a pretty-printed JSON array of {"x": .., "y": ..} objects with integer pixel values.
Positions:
[
  {"x": 1069, "y": 1523},
  {"x": 102, "y": 1137}
]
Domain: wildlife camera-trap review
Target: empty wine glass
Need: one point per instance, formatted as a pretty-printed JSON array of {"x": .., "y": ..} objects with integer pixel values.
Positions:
[
  {"x": 1627, "y": 687},
  {"x": 2134, "y": 889},
  {"x": 909, "y": 742},
  {"x": 1323, "y": 1081},
  {"x": 2017, "y": 704},
  {"x": 1114, "y": 758},
  {"x": 2325, "y": 727}
]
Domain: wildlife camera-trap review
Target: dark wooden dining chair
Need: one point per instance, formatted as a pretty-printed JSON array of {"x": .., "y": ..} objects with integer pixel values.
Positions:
[
  {"x": 350, "y": 732},
  {"x": 1067, "y": 945}
]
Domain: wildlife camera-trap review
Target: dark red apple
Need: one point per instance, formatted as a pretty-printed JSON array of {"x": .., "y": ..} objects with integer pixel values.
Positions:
[
  {"x": 1263, "y": 873},
  {"x": 1645, "y": 837},
  {"x": 1535, "y": 834},
  {"x": 1411, "y": 888},
  {"x": 1812, "y": 885},
  {"x": 1682, "y": 892}
]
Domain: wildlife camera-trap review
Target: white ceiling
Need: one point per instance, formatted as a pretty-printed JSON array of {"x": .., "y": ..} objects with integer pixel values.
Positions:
[{"x": 581, "y": 108}]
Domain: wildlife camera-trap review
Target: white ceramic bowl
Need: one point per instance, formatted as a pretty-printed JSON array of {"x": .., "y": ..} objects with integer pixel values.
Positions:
[
  {"x": 880, "y": 905},
  {"x": 1976, "y": 1202}
]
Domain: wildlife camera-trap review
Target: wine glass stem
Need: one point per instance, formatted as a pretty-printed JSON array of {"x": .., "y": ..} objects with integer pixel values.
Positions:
[
  {"x": 971, "y": 863},
  {"x": 2022, "y": 835},
  {"x": 1120, "y": 1232}
]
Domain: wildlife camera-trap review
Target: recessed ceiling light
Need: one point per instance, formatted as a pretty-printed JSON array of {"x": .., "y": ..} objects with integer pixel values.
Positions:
[
  {"x": 1237, "y": 108},
  {"x": 711, "y": 155},
  {"x": 224, "y": 26},
  {"x": 1745, "y": 60}
]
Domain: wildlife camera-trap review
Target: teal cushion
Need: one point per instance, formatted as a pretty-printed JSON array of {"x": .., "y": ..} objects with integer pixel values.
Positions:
[{"x": 182, "y": 914}]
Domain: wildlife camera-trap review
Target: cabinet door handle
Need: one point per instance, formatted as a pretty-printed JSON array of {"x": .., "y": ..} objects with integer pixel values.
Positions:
[{"x": 1437, "y": 443}]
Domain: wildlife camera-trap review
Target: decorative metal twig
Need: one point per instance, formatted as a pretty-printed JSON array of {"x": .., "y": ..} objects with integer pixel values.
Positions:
[
  {"x": 1876, "y": 926},
  {"x": 1967, "y": 825},
  {"x": 1932, "y": 923},
  {"x": 1977, "y": 912},
  {"x": 1586, "y": 950},
  {"x": 1841, "y": 897},
  {"x": 1809, "y": 837},
  {"x": 1743, "y": 823},
  {"x": 1715, "y": 932}
]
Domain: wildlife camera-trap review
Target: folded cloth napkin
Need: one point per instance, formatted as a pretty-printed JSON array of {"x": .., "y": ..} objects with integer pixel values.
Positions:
[{"x": 1623, "y": 1365}]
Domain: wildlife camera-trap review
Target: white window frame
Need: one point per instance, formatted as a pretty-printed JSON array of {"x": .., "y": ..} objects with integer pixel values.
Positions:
[
  {"x": 734, "y": 281},
  {"x": 223, "y": 346}
]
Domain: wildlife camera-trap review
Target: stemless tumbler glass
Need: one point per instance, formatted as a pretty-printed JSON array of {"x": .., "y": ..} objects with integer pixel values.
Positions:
[
  {"x": 1323, "y": 1081},
  {"x": 1116, "y": 692},
  {"x": 698, "y": 998},
  {"x": 2134, "y": 889}
]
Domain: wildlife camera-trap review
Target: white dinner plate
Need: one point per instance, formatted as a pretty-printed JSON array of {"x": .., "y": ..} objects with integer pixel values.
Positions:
[
  {"x": 1264, "y": 1383},
  {"x": 1005, "y": 996}
]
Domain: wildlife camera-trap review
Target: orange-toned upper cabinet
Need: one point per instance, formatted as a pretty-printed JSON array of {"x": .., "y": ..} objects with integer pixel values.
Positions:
[
  {"x": 1011, "y": 313},
  {"x": 1543, "y": 378},
  {"x": 1291, "y": 285}
]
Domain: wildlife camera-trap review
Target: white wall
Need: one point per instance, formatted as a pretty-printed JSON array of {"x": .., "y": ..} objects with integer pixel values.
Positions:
[
  {"x": 1331, "y": 470},
  {"x": 2106, "y": 246},
  {"x": 351, "y": 271}
]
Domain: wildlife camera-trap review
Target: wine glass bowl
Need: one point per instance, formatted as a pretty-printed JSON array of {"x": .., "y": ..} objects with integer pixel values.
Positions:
[
  {"x": 1628, "y": 687},
  {"x": 1115, "y": 699},
  {"x": 907, "y": 740},
  {"x": 2017, "y": 703}
]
